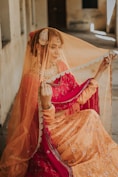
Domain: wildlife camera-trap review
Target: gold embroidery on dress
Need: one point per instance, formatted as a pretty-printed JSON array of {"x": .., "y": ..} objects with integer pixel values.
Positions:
[{"x": 51, "y": 71}]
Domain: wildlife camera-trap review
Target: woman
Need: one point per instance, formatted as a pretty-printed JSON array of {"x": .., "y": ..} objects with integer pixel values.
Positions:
[{"x": 55, "y": 128}]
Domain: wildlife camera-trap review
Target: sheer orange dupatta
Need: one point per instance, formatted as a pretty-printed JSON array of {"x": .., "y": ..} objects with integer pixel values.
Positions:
[
  {"x": 23, "y": 129},
  {"x": 23, "y": 125}
]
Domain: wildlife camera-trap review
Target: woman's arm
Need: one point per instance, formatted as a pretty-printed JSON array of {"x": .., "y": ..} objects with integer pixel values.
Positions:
[
  {"x": 88, "y": 92},
  {"x": 92, "y": 87},
  {"x": 47, "y": 106},
  {"x": 49, "y": 114},
  {"x": 103, "y": 66}
]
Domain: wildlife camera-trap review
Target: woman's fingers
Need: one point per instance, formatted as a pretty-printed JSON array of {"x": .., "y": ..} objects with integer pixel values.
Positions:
[
  {"x": 113, "y": 56},
  {"x": 107, "y": 60},
  {"x": 46, "y": 95},
  {"x": 110, "y": 58},
  {"x": 105, "y": 63},
  {"x": 46, "y": 89}
]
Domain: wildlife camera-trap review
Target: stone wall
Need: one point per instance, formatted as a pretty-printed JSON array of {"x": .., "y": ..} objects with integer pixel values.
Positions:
[
  {"x": 23, "y": 16},
  {"x": 83, "y": 19}
]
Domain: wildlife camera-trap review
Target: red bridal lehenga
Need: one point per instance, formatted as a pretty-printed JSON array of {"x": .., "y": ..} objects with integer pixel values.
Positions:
[{"x": 72, "y": 142}]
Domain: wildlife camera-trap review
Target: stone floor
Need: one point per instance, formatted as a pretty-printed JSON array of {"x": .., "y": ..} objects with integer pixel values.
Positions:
[{"x": 103, "y": 40}]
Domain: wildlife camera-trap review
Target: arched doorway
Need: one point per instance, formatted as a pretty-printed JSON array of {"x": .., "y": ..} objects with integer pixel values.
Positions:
[{"x": 57, "y": 13}]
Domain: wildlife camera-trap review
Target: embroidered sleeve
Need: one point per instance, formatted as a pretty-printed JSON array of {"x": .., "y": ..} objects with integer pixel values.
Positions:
[
  {"x": 88, "y": 92},
  {"x": 49, "y": 114}
]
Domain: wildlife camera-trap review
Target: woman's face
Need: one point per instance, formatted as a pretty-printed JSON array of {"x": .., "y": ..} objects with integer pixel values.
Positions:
[{"x": 55, "y": 47}]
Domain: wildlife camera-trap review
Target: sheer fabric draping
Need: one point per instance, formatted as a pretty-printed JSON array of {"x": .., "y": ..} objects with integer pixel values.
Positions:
[{"x": 24, "y": 128}]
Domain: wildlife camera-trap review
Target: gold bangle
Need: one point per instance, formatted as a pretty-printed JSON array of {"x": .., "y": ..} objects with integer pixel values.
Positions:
[{"x": 48, "y": 107}]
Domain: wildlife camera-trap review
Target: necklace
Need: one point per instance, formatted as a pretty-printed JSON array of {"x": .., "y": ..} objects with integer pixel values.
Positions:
[{"x": 51, "y": 71}]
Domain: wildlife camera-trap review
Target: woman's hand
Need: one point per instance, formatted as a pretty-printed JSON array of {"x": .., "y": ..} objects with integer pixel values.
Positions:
[
  {"x": 103, "y": 66},
  {"x": 45, "y": 95}
]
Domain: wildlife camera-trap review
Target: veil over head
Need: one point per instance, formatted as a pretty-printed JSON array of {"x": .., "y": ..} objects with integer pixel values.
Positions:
[{"x": 82, "y": 58}]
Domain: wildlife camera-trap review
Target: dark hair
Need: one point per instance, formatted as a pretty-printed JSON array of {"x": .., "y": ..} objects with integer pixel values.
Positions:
[
  {"x": 34, "y": 39},
  {"x": 53, "y": 32}
]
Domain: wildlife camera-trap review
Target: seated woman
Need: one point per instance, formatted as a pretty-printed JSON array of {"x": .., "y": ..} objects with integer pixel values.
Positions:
[{"x": 55, "y": 128}]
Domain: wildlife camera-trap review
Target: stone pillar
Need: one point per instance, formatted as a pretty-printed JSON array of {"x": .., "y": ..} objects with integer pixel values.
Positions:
[
  {"x": 0, "y": 76},
  {"x": 116, "y": 23},
  {"x": 110, "y": 6},
  {"x": 0, "y": 38}
]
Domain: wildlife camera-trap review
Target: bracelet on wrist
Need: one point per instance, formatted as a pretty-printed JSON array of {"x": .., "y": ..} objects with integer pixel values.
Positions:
[{"x": 47, "y": 107}]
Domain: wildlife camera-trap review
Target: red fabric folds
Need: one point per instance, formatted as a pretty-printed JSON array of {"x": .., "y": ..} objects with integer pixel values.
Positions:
[
  {"x": 47, "y": 162},
  {"x": 67, "y": 91}
]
